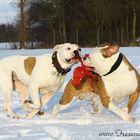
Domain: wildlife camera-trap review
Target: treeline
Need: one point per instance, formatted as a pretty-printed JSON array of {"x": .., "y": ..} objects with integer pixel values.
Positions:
[
  {"x": 8, "y": 33},
  {"x": 85, "y": 22}
]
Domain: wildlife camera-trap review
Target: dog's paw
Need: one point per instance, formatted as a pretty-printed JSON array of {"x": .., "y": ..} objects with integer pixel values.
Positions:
[
  {"x": 13, "y": 115},
  {"x": 95, "y": 109},
  {"x": 26, "y": 104},
  {"x": 40, "y": 113},
  {"x": 32, "y": 114},
  {"x": 125, "y": 109},
  {"x": 130, "y": 119}
]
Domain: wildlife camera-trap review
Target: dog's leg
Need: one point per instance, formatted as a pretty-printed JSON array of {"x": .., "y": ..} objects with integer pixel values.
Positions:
[
  {"x": 44, "y": 100},
  {"x": 132, "y": 100},
  {"x": 65, "y": 101},
  {"x": 7, "y": 101},
  {"x": 23, "y": 92},
  {"x": 120, "y": 112},
  {"x": 33, "y": 91}
]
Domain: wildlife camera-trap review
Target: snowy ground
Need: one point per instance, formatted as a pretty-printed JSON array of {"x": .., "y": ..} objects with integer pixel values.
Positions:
[{"x": 75, "y": 123}]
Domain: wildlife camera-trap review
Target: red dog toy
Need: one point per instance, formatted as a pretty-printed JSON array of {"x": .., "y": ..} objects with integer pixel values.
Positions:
[{"x": 83, "y": 71}]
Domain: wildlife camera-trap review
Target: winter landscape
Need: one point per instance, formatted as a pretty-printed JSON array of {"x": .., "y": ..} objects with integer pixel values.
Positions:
[
  {"x": 78, "y": 122},
  {"x": 34, "y": 27}
]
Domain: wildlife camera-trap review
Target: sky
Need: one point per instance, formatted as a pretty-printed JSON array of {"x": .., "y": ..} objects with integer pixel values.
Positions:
[{"x": 7, "y": 12}]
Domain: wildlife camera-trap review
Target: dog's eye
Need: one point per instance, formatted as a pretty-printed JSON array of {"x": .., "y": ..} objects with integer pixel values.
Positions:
[
  {"x": 68, "y": 48},
  {"x": 79, "y": 50}
]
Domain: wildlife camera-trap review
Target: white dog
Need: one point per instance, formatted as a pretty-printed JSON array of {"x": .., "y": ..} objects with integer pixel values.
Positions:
[
  {"x": 44, "y": 74},
  {"x": 119, "y": 79}
]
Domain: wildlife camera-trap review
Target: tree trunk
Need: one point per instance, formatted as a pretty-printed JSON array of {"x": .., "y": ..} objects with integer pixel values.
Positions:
[
  {"x": 134, "y": 23},
  {"x": 77, "y": 36},
  {"x": 64, "y": 32},
  {"x": 22, "y": 25},
  {"x": 122, "y": 35},
  {"x": 60, "y": 33},
  {"x": 63, "y": 22},
  {"x": 117, "y": 34},
  {"x": 98, "y": 35},
  {"x": 110, "y": 33},
  {"x": 54, "y": 38},
  {"x": 127, "y": 24}
]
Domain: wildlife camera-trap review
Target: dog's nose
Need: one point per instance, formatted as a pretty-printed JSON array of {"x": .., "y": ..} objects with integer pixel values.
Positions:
[{"x": 76, "y": 53}]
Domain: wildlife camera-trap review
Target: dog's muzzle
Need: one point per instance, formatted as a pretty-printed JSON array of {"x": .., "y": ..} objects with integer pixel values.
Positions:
[
  {"x": 76, "y": 53},
  {"x": 75, "y": 58}
]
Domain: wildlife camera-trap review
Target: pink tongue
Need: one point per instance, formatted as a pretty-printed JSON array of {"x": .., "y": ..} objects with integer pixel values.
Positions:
[{"x": 74, "y": 60}]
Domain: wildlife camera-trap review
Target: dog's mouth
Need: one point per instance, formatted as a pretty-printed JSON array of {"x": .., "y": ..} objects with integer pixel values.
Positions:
[
  {"x": 90, "y": 68},
  {"x": 74, "y": 60}
]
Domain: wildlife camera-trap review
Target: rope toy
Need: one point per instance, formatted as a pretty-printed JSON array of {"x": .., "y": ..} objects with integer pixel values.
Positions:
[{"x": 81, "y": 72}]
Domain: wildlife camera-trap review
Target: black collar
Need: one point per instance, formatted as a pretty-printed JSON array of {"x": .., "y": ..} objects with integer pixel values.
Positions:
[
  {"x": 116, "y": 64},
  {"x": 58, "y": 67}
]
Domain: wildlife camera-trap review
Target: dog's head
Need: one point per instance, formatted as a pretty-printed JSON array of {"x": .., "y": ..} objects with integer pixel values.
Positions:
[
  {"x": 68, "y": 54},
  {"x": 102, "y": 57}
]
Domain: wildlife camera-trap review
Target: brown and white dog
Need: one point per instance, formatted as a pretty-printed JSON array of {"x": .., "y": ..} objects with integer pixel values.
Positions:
[
  {"x": 33, "y": 75},
  {"x": 83, "y": 91},
  {"x": 118, "y": 80}
]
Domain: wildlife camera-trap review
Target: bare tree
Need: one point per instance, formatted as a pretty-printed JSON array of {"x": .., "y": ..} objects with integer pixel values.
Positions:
[
  {"x": 22, "y": 24},
  {"x": 134, "y": 21}
]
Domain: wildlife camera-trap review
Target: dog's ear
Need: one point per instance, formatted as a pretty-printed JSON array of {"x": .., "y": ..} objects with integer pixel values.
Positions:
[
  {"x": 110, "y": 50},
  {"x": 56, "y": 48}
]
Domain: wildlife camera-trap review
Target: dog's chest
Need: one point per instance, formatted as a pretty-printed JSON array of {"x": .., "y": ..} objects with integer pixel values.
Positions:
[
  {"x": 52, "y": 87},
  {"x": 52, "y": 82},
  {"x": 121, "y": 82}
]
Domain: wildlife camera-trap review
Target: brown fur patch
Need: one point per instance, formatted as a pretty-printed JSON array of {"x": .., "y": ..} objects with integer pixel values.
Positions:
[
  {"x": 131, "y": 68},
  {"x": 29, "y": 64},
  {"x": 71, "y": 91},
  {"x": 132, "y": 99},
  {"x": 128, "y": 64},
  {"x": 98, "y": 87},
  {"x": 134, "y": 96},
  {"x": 110, "y": 49}
]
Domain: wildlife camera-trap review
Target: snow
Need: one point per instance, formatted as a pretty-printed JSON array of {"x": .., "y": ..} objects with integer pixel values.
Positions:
[{"x": 75, "y": 123}]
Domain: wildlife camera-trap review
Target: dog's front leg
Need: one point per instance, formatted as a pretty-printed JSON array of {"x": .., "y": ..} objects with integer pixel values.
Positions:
[
  {"x": 44, "y": 100},
  {"x": 58, "y": 108},
  {"x": 33, "y": 91},
  {"x": 120, "y": 112},
  {"x": 132, "y": 100},
  {"x": 65, "y": 101}
]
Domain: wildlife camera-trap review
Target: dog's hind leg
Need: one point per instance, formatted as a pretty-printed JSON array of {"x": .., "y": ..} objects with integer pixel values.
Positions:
[
  {"x": 23, "y": 92},
  {"x": 7, "y": 99},
  {"x": 132, "y": 100},
  {"x": 7, "y": 90},
  {"x": 65, "y": 101},
  {"x": 120, "y": 112}
]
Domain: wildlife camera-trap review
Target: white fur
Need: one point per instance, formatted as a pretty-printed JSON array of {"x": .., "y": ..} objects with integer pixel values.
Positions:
[
  {"x": 119, "y": 84},
  {"x": 58, "y": 108},
  {"x": 43, "y": 77}
]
